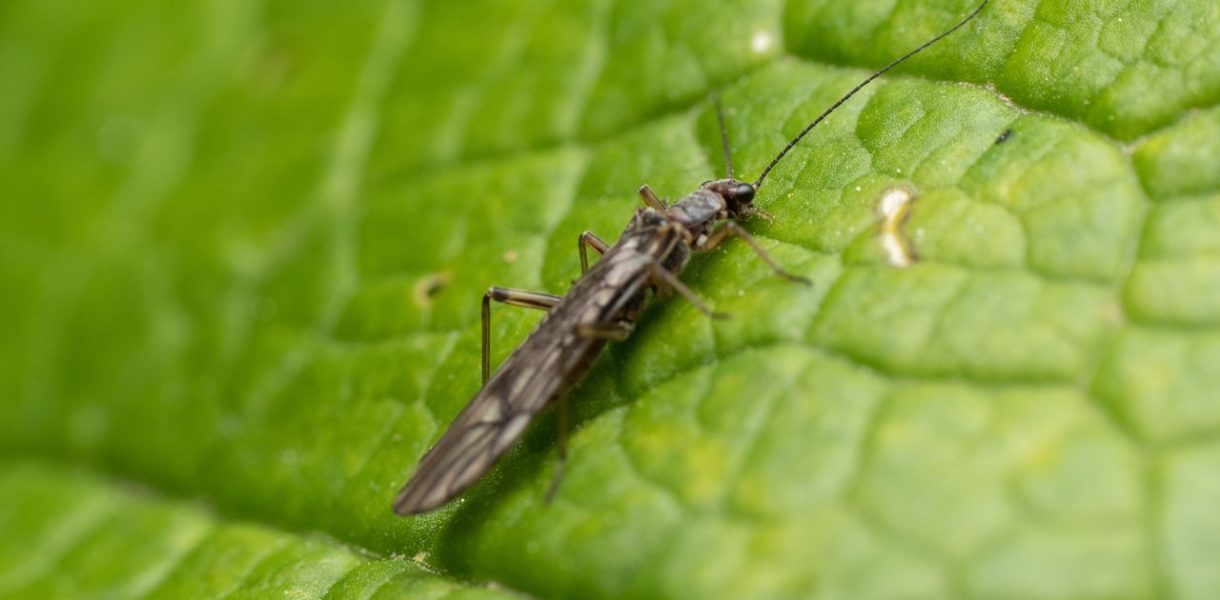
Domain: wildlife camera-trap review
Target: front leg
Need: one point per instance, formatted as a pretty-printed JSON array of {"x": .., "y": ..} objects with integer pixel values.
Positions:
[{"x": 730, "y": 228}]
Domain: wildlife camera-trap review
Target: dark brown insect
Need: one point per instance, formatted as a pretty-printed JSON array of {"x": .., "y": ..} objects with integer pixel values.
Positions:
[{"x": 603, "y": 305}]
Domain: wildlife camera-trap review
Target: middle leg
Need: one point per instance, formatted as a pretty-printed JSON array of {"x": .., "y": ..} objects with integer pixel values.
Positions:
[
  {"x": 590, "y": 240},
  {"x": 536, "y": 300}
]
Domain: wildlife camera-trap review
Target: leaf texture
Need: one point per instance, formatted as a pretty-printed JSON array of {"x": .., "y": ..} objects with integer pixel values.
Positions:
[{"x": 242, "y": 246}]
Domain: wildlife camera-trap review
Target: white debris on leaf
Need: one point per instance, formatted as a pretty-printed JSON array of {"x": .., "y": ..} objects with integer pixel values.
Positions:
[{"x": 894, "y": 207}]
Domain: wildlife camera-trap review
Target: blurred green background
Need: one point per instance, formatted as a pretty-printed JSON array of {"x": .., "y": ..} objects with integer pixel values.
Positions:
[{"x": 242, "y": 245}]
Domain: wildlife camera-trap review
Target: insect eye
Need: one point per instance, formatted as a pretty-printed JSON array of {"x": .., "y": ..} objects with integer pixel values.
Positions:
[{"x": 744, "y": 192}]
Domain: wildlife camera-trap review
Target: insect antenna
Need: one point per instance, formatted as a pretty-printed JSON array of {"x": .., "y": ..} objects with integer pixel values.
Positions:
[
  {"x": 724, "y": 139},
  {"x": 848, "y": 95}
]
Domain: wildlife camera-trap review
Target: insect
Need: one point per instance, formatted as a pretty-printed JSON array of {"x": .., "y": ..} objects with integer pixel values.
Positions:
[{"x": 603, "y": 305}]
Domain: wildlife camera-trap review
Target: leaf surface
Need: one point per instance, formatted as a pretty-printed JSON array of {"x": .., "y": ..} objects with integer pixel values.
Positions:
[{"x": 244, "y": 243}]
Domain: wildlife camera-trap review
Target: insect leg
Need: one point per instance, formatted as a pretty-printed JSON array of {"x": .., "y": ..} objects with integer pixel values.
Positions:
[
  {"x": 650, "y": 199},
  {"x": 562, "y": 462},
  {"x": 730, "y": 228},
  {"x": 590, "y": 239},
  {"x": 538, "y": 300},
  {"x": 661, "y": 275},
  {"x": 615, "y": 332}
]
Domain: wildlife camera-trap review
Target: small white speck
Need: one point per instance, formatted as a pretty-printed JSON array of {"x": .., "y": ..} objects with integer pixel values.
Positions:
[{"x": 761, "y": 41}]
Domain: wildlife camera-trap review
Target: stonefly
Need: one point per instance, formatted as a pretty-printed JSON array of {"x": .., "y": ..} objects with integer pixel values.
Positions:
[{"x": 602, "y": 306}]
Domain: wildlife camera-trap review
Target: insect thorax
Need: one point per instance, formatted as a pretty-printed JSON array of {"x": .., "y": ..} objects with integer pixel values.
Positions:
[{"x": 697, "y": 210}]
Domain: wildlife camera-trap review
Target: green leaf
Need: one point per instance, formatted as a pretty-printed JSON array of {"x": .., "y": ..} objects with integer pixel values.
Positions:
[
  {"x": 243, "y": 243},
  {"x": 73, "y": 535}
]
